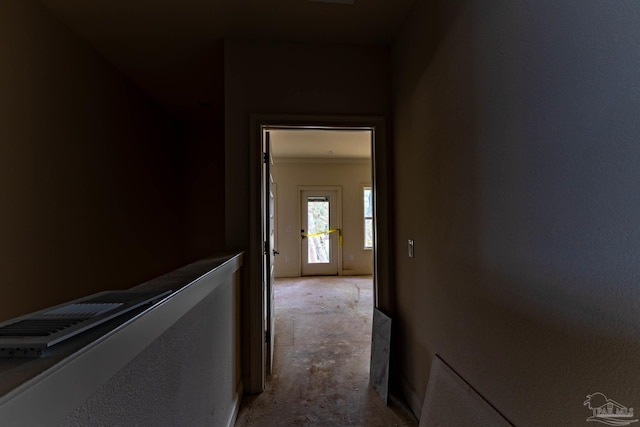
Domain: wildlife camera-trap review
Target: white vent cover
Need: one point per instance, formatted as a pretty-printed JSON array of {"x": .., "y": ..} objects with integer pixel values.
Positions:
[
  {"x": 83, "y": 310},
  {"x": 28, "y": 336}
]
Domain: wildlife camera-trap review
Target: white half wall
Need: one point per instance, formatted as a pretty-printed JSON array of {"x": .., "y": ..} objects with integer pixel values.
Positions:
[{"x": 175, "y": 363}]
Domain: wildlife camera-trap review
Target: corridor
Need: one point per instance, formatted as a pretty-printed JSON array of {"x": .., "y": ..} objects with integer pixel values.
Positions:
[{"x": 321, "y": 360}]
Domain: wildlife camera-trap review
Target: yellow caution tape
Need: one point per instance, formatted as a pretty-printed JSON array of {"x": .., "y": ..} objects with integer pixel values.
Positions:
[
  {"x": 327, "y": 232},
  {"x": 323, "y": 233}
]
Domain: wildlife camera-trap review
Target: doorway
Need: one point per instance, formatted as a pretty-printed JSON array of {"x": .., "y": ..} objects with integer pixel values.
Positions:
[
  {"x": 259, "y": 295},
  {"x": 320, "y": 232}
]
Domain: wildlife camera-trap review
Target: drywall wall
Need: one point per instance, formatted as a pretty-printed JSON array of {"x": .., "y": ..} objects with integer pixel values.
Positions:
[
  {"x": 90, "y": 177},
  {"x": 351, "y": 177},
  {"x": 202, "y": 138},
  {"x": 203, "y": 200},
  {"x": 291, "y": 78},
  {"x": 285, "y": 78},
  {"x": 516, "y": 172}
]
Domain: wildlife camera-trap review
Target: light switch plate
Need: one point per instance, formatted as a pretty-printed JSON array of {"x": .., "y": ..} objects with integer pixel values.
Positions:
[{"x": 411, "y": 248}]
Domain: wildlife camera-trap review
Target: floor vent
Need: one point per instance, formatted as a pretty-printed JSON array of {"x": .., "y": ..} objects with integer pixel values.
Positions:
[{"x": 30, "y": 335}]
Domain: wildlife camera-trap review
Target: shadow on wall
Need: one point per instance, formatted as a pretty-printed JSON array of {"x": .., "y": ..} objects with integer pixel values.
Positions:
[{"x": 516, "y": 175}]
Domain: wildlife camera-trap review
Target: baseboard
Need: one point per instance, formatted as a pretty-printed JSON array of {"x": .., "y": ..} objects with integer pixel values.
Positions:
[
  {"x": 414, "y": 402},
  {"x": 357, "y": 273},
  {"x": 287, "y": 274},
  {"x": 237, "y": 401},
  {"x": 291, "y": 274}
]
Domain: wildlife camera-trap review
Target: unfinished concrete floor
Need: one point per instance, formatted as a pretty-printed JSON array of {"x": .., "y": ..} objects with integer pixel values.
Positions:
[{"x": 321, "y": 359}]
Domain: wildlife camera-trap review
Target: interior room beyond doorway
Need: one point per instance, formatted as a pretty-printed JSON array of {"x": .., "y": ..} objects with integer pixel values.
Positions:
[{"x": 335, "y": 164}]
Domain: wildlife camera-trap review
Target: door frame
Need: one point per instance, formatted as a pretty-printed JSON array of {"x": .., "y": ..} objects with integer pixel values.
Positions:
[
  {"x": 253, "y": 313},
  {"x": 322, "y": 188}
]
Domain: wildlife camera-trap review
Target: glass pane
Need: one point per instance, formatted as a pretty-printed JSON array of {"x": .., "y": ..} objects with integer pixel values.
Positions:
[
  {"x": 368, "y": 205},
  {"x": 368, "y": 218},
  {"x": 319, "y": 249},
  {"x": 368, "y": 233}
]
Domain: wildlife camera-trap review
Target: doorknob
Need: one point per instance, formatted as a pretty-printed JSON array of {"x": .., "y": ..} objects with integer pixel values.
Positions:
[
  {"x": 276, "y": 252},
  {"x": 302, "y": 236}
]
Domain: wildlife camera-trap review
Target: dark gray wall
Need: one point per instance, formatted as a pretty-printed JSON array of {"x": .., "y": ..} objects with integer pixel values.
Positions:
[
  {"x": 90, "y": 170},
  {"x": 516, "y": 172}
]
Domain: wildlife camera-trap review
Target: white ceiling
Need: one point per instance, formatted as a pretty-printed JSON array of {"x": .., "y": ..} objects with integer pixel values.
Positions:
[
  {"x": 320, "y": 144},
  {"x": 173, "y": 48}
]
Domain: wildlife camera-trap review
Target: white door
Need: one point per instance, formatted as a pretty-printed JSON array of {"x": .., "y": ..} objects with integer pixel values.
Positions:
[
  {"x": 320, "y": 232},
  {"x": 269, "y": 253}
]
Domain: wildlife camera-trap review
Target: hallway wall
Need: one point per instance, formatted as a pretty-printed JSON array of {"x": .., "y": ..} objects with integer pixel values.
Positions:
[
  {"x": 203, "y": 197},
  {"x": 286, "y": 78},
  {"x": 291, "y": 78},
  {"x": 516, "y": 172},
  {"x": 90, "y": 170}
]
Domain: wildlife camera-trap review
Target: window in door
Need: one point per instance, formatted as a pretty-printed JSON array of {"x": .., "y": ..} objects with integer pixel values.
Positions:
[{"x": 319, "y": 249}]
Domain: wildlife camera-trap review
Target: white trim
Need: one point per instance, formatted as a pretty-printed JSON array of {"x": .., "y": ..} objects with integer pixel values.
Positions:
[
  {"x": 414, "y": 402},
  {"x": 356, "y": 272},
  {"x": 288, "y": 273},
  {"x": 237, "y": 401}
]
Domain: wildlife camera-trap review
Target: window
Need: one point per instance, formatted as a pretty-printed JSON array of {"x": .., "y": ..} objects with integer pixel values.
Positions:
[
  {"x": 368, "y": 217},
  {"x": 318, "y": 243}
]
